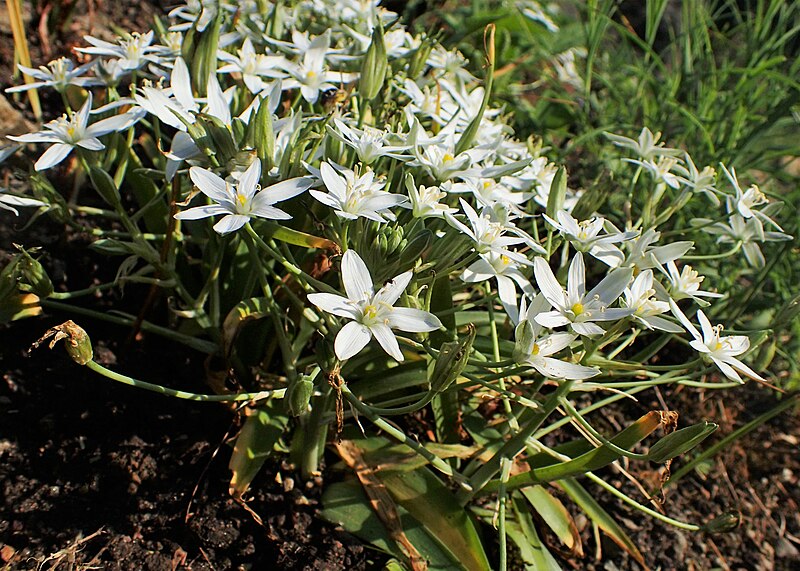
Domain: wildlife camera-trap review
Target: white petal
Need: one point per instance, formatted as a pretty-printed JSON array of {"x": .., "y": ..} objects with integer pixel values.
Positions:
[
  {"x": 728, "y": 370},
  {"x": 551, "y": 319},
  {"x": 548, "y": 284},
  {"x": 218, "y": 106},
  {"x": 587, "y": 328},
  {"x": 115, "y": 123},
  {"x": 230, "y": 223},
  {"x": 268, "y": 212},
  {"x": 333, "y": 182},
  {"x": 199, "y": 212},
  {"x": 554, "y": 343},
  {"x": 612, "y": 286},
  {"x": 181, "y": 84},
  {"x": 413, "y": 320},
  {"x": 576, "y": 281},
  {"x": 210, "y": 184},
  {"x": 335, "y": 304},
  {"x": 507, "y": 293},
  {"x": 387, "y": 340},
  {"x": 52, "y": 156},
  {"x": 356, "y": 277},
  {"x": 742, "y": 368},
  {"x": 393, "y": 289},
  {"x": 705, "y": 325},
  {"x": 287, "y": 189},
  {"x": 676, "y": 311},
  {"x": 555, "y": 369},
  {"x": 352, "y": 338},
  {"x": 91, "y": 144},
  {"x": 249, "y": 181}
]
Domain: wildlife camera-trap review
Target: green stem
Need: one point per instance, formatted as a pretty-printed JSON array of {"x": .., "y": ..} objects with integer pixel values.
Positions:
[{"x": 96, "y": 367}]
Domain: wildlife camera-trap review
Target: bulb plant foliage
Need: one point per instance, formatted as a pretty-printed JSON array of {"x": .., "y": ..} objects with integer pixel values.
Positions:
[{"x": 337, "y": 209}]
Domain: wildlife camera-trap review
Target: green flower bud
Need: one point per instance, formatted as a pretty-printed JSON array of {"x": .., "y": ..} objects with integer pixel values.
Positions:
[
  {"x": 298, "y": 396},
  {"x": 34, "y": 275},
  {"x": 415, "y": 248},
  {"x": 451, "y": 361},
  {"x": 558, "y": 193},
  {"x": 723, "y": 523},
  {"x": 680, "y": 441},
  {"x": 263, "y": 135},
  {"x": 373, "y": 69}
]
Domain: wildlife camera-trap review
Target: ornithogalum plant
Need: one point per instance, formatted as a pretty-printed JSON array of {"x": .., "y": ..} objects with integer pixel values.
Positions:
[{"x": 352, "y": 192}]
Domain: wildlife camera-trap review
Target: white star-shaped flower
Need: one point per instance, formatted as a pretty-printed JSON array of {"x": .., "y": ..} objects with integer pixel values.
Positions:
[
  {"x": 373, "y": 313},
  {"x": 242, "y": 201}
]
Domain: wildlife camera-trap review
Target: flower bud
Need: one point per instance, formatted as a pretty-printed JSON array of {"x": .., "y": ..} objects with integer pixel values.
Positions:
[
  {"x": 264, "y": 135},
  {"x": 558, "y": 193},
  {"x": 723, "y": 523},
  {"x": 680, "y": 441},
  {"x": 76, "y": 340},
  {"x": 415, "y": 248},
  {"x": 298, "y": 396},
  {"x": 451, "y": 361},
  {"x": 376, "y": 62},
  {"x": 34, "y": 275}
]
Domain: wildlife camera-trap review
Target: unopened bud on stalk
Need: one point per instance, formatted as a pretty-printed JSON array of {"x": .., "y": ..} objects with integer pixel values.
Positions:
[
  {"x": 36, "y": 279},
  {"x": 376, "y": 62},
  {"x": 451, "y": 361},
  {"x": 77, "y": 341},
  {"x": 298, "y": 396},
  {"x": 723, "y": 523}
]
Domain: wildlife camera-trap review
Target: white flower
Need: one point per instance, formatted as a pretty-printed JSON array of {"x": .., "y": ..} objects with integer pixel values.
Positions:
[
  {"x": 242, "y": 201},
  {"x": 66, "y": 133},
  {"x": 535, "y": 350},
  {"x": 8, "y": 201},
  {"x": 745, "y": 201},
  {"x": 642, "y": 254},
  {"x": 373, "y": 313},
  {"x": 645, "y": 146},
  {"x": 369, "y": 143},
  {"x": 699, "y": 181},
  {"x": 59, "y": 74},
  {"x": 131, "y": 52},
  {"x": 722, "y": 351},
  {"x": 489, "y": 234},
  {"x": 748, "y": 231},
  {"x": 639, "y": 297},
  {"x": 353, "y": 196},
  {"x": 311, "y": 75},
  {"x": 575, "y": 307},
  {"x": 661, "y": 170},
  {"x": 686, "y": 284},
  {"x": 506, "y": 272},
  {"x": 425, "y": 200},
  {"x": 252, "y": 66},
  {"x": 585, "y": 236}
]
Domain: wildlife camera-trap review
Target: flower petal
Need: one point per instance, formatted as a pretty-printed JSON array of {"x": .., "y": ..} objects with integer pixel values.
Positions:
[
  {"x": 52, "y": 156},
  {"x": 387, "y": 340},
  {"x": 287, "y": 189},
  {"x": 413, "y": 320},
  {"x": 356, "y": 277},
  {"x": 199, "y": 212},
  {"x": 352, "y": 338},
  {"x": 335, "y": 304},
  {"x": 231, "y": 223},
  {"x": 210, "y": 184},
  {"x": 394, "y": 288},
  {"x": 548, "y": 284}
]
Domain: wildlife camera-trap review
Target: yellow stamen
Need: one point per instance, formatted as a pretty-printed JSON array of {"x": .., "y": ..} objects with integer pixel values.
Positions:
[{"x": 370, "y": 312}]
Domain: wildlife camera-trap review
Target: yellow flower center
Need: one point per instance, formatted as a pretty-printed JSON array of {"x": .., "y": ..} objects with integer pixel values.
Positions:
[
  {"x": 241, "y": 199},
  {"x": 535, "y": 350},
  {"x": 505, "y": 259},
  {"x": 447, "y": 158},
  {"x": 577, "y": 309},
  {"x": 370, "y": 312}
]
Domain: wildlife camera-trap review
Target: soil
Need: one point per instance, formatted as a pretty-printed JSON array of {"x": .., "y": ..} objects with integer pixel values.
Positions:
[{"x": 98, "y": 475}]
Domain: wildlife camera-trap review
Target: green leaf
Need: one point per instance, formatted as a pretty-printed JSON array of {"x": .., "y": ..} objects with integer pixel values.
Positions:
[
  {"x": 435, "y": 507},
  {"x": 346, "y": 504},
  {"x": 556, "y": 516},
  {"x": 592, "y": 460},
  {"x": 256, "y": 441},
  {"x": 535, "y": 553},
  {"x": 600, "y": 517}
]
